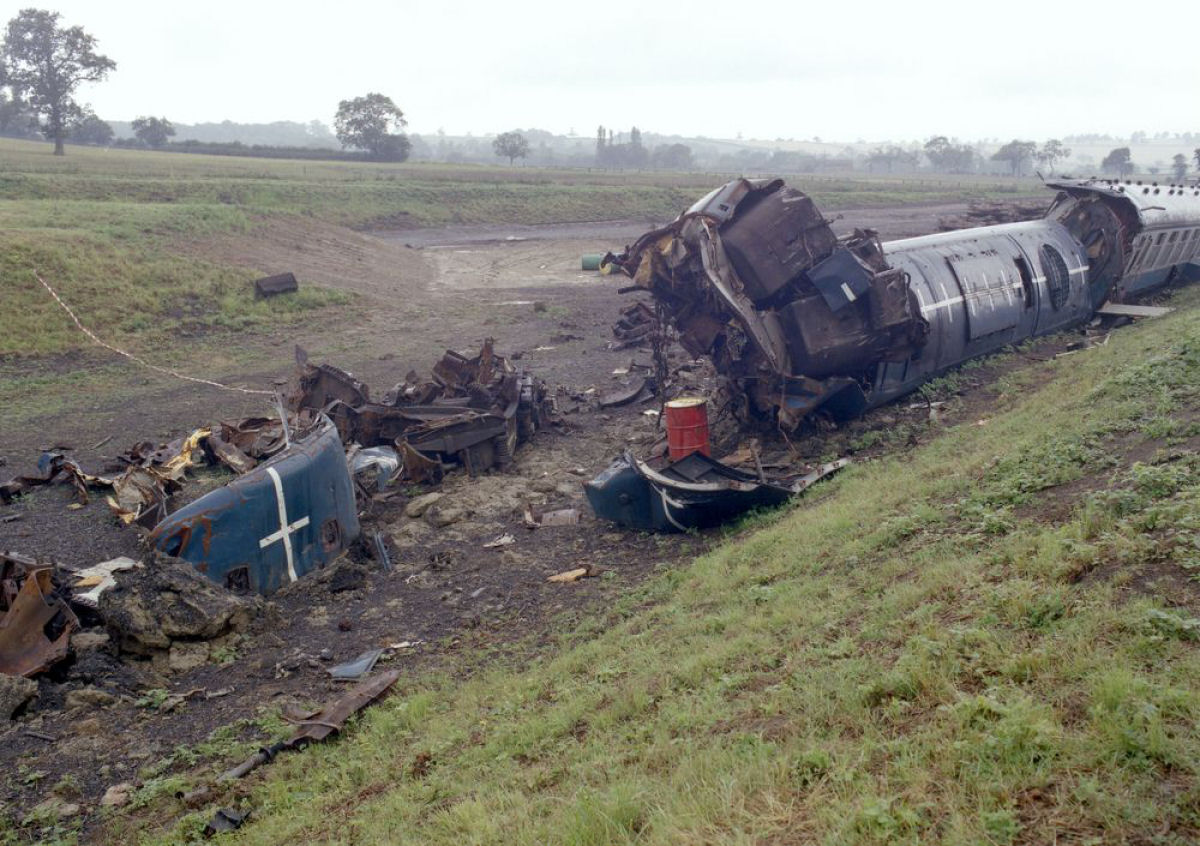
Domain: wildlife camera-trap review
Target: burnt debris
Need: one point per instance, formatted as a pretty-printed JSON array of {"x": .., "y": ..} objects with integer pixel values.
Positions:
[
  {"x": 472, "y": 411},
  {"x": 753, "y": 277},
  {"x": 796, "y": 319}
]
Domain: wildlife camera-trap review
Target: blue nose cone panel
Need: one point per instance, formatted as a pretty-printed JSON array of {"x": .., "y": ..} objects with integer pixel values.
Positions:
[{"x": 291, "y": 515}]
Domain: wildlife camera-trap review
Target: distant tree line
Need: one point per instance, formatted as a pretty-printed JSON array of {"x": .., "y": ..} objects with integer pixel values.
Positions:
[{"x": 43, "y": 62}]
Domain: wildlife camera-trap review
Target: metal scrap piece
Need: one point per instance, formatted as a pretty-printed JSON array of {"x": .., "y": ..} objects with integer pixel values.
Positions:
[
  {"x": 97, "y": 579},
  {"x": 623, "y": 396},
  {"x": 139, "y": 495},
  {"x": 229, "y": 455},
  {"x": 225, "y": 819},
  {"x": 419, "y": 467},
  {"x": 25, "y": 648},
  {"x": 320, "y": 724},
  {"x": 356, "y": 668}
]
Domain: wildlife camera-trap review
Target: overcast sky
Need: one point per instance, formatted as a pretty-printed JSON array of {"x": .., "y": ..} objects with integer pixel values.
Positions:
[{"x": 792, "y": 69}]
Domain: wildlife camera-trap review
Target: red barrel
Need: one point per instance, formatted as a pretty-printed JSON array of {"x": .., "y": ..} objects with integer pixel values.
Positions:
[{"x": 687, "y": 427}]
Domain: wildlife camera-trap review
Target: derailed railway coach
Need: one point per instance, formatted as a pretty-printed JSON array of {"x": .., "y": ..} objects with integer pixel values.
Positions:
[{"x": 798, "y": 319}]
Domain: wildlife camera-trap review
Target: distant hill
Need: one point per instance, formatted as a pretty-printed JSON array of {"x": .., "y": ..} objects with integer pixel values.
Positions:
[{"x": 281, "y": 133}]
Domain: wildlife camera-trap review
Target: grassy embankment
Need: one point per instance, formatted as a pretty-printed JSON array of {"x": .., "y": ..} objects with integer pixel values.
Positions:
[
  {"x": 105, "y": 227},
  {"x": 992, "y": 638}
]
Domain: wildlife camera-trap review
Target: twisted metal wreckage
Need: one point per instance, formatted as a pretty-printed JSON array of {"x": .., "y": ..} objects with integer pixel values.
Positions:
[
  {"x": 298, "y": 512},
  {"x": 293, "y": 507},
  {"x": 796, "y": 319}
]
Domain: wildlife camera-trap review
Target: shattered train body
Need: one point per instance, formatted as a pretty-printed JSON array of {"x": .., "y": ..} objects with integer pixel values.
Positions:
[
  {"x": 797, "y": 319},
  {"x": 287, "y": 516}
]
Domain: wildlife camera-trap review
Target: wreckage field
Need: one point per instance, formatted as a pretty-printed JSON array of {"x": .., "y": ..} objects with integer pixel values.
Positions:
[{"x": 982, "y": 628}]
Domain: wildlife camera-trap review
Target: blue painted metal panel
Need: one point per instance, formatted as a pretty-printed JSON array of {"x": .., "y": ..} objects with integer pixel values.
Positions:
[{"x": 291, "y": 515}]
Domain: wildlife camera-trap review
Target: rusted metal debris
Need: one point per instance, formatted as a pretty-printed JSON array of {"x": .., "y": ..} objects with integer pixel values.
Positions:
[
  {"x": 753, "y": 277},
  {"x": 53, "y": 466},
  {"x": 144, "y": 476},
  {"x": 626, "y": 394},
  {"x": 272, "y": 286},
  {"x": 634, "y": 326},
  {"x": 35, "y": 631},
  {"x": 320, "y": 724},
  {"x": 473, "y": 411}
]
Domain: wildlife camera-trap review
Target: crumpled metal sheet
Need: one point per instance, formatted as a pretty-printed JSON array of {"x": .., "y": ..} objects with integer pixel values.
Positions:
[
  {"x": 229, "y": 455},
  {"x": 330, "y": 718},
  {"x": 745, "y": 276},
  {"x": 25, "y": 648},
  {"x": 53, "y": 465},
  {"x": 474, "y": 410},
  {"x": 140, "y": 496}
]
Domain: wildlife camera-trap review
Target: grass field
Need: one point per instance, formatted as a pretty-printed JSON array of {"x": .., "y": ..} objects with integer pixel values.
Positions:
[
  {"x": 106, "y": 226},
  {"x": 989, "y": 639}
]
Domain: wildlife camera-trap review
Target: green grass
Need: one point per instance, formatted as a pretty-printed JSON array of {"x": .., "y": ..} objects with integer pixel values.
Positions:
[
  {"x": 105, "y": 226},
  {"x": 363, "y": 195},
  {"x": 908, "y": 655}
]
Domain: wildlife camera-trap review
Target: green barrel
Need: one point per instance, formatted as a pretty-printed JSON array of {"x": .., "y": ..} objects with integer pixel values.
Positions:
[{"x": 591, "y": 261}]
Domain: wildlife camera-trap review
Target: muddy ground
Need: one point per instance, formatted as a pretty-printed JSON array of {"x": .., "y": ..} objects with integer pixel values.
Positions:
[{"x": 95, "y": 722}]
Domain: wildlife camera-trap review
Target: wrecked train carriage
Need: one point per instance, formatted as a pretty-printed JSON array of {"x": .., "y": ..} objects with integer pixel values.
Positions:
[
  {"x": 754, "y": 277},
  {"x": 1138, "y": 237},
  {"x": 798, "y": 319},
  {"x": 290, "y": 515}
]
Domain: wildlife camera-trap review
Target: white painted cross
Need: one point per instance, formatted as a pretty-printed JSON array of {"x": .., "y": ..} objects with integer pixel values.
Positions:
[{"x": 285, "y": 529}]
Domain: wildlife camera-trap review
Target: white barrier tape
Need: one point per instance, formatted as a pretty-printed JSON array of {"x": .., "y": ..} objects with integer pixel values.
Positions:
[{"x": 142, "y": 361}]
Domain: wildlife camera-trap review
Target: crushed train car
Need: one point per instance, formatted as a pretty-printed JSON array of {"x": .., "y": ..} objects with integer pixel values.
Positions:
[
  {"x": 294, "y": 513},
  {"x": 799, "y": 319}
]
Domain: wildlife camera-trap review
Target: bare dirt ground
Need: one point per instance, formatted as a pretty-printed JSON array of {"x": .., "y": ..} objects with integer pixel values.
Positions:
[{"x": 421, "y": 291}]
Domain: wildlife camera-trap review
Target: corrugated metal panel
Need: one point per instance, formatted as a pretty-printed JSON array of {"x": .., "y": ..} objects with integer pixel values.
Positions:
[{"x": 992, "y": 305}]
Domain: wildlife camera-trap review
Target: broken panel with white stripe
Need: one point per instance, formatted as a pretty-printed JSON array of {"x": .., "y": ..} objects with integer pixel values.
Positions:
[{"x": 289, "y": 516}]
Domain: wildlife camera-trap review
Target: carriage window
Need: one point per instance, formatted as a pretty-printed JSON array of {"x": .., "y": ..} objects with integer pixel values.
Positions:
[
  {"x": 331, "y": 534},
  {"x": 177, "y": 542}
]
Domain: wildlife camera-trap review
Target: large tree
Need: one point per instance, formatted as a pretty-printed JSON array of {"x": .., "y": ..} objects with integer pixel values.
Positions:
[
  {"x": 1119, "y": 161},
  {"x": 1052, "y": 151},
  {"x": 1017, "y": 153},
  {"x": 152, "y": 131},
  {"x": 372, "y": 123},
  {"x": 1179, "y": 167},
  {"x": 44, "y": 63},
  {"x": 511, "y": 145},
  {"x": 672, "y": 157},
  {"x": 949, "y": 157}
]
